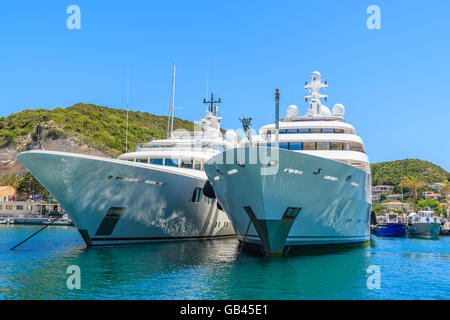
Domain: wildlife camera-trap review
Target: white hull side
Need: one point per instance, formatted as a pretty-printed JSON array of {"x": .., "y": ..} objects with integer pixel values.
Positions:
[
  {"x": 332, "y": 212},
  {"x": 425, "y": 230},
  {"x": 87, "y": 187}
]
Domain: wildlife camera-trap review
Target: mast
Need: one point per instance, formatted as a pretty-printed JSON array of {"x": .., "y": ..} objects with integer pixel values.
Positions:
[
  {"x": 277, "y": 118},
  {"x": 171, "y": 107},
  {"x": 128, "y": 93},
  {"x": 212, "y": 108}
]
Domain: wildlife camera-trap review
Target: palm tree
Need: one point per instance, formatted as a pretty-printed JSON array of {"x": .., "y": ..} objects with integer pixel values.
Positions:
[
  {"x": 12, "y": 180},
  {"x": 413, "y": 183}
]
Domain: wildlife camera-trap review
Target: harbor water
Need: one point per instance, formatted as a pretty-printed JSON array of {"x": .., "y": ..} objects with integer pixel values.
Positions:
[{"x": 409, "y": 268}]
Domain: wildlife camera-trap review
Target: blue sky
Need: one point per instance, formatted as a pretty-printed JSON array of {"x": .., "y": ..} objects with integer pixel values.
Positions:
[{"x": 393, "y": 81}]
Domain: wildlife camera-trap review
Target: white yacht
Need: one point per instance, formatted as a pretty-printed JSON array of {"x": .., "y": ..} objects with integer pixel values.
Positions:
[
  {"x": 424, "y": 224},
  {"x": 302, "y": 182},
  {"x": 150, "y": 195}
]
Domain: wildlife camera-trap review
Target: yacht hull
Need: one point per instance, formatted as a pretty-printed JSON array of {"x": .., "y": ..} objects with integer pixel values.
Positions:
[
  {"x": 115, "y": 202},
  {"x": 326, "y": 210},
  {"x": 425, "y": 230}
]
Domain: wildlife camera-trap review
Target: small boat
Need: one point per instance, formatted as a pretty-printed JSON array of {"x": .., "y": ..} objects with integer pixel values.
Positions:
[
  {"x": 445, "y": 228},
  {"x": 7, "y": 221},
  {"x": 391, "y": 226},
  {"x": 424, "y": 224}
]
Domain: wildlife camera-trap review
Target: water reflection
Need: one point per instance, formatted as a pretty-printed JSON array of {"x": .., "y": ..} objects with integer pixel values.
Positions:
[{"x": 212, "y": 270}]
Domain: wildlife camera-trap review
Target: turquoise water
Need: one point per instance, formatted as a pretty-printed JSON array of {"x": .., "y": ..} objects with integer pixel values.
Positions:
[{"x": 409, "y": 269}]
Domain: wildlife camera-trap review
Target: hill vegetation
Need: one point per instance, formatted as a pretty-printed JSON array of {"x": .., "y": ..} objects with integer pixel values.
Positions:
[
  {"x": 390, "y": 172},
  {"x": 97, "y": 126}
]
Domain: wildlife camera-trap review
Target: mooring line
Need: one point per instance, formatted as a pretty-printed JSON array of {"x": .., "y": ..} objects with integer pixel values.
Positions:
[{"x": 36, "y": 232}]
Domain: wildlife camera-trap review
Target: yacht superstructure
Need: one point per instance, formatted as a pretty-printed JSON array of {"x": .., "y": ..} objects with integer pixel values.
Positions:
[
  {"x": 303, "y": 183},
  {"x": 150, "y": 195}
]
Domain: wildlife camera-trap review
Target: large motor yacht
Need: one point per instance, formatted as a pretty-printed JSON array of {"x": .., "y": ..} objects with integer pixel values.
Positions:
[
  {"x": 150, "y": 195},
  {"x": 302, "y": 182}
]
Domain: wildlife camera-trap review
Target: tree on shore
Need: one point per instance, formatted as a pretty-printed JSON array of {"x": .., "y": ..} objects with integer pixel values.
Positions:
[
  {"x": 413, "y": 183},
  {"x": 432, "y": 204},
  {"x": 12, "y": 180}
]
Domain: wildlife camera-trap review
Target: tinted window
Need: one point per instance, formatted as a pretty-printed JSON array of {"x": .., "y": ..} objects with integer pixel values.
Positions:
[
  {"x": 323, "y": 146},
  {"x": 172, "y": 162},
  {"x": 186, "y": 164},
  {"x": 335, "y": 146},
  {"x": 156, "y": 161},
  {"x": 295, "y": 146},
  {"x": 309, "y": 146}
]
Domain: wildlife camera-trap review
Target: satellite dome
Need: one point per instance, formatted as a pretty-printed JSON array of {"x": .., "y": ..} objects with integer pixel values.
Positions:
[
  {"x": 324, "y": 111},
  {"x": 315, "y": 76},
  {"x": 338, "y": 110},
  {"x": 292, "y": 111}
]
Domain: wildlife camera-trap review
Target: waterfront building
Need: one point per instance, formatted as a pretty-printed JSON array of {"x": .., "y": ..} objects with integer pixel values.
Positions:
[
  {"x": 397, "y": 205},
  {"x": 378, "y": 190},
  {"x": 397, "y": 196},
  {"x": 22, "y": 209},
  {"x": 6, "y": 193},
  {"x": 430, "y": 195}
]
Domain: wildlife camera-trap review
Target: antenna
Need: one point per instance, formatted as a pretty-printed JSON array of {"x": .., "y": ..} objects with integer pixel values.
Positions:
[
  {"x": 207, "y": 91},
  {"x": 211, "y": 108},
  {"x": 246, "y": 124},
  {"x": 128, "y": 94},
  {"x": 171, "y": 107},
  {"x": 277, "y": 118}
]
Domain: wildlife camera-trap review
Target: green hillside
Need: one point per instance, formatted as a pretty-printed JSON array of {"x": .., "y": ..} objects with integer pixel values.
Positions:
[
  {"x": 390, "y": 172},
  {"x": 97, "y": 126}
]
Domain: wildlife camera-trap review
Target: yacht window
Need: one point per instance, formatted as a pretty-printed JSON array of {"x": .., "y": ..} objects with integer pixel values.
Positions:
[
  {"x": 186, "y": 164},
  {"x": 323, "y": 146},
  {"x": 197, "y": 165},
  {"x": 327, "y": 131},
  {"x": 291, "y": 130},
  {"x": 338, "y": 130},
  {"x": 284, "y": 145},
  {"x": 171, "y": 162},
  {"x": 303, "y": 130},
  {"x": 309, "y": 146},
  {"x": 316, "y": 131},
  {"x": 295, "y": 146},
  {"x": 282, "y": 131},
  {"x": 197, "y": 195},
  {"x": 336, "y": 146},
  {"x": 142, "y": 160},
  {"x": 156, "y": 161}
]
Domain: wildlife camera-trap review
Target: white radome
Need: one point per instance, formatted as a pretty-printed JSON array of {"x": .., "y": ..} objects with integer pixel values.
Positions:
[
  {"x": 338, "y": 110},
  {"x": 292, "y": 111}
]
